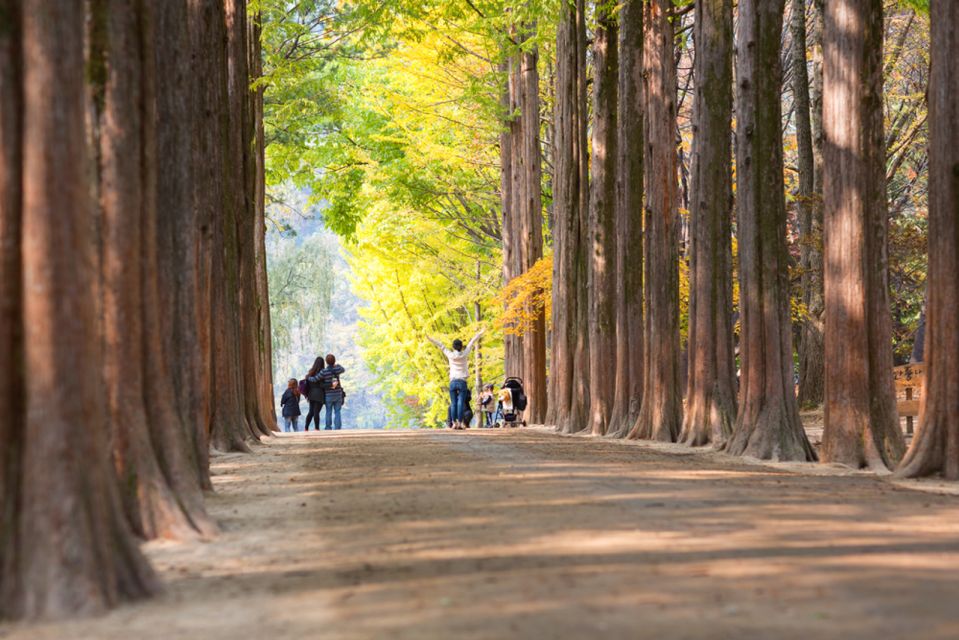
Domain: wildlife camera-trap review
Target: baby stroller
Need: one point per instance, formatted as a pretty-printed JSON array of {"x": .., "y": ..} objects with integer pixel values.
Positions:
[{"x": 512, "y": 403}]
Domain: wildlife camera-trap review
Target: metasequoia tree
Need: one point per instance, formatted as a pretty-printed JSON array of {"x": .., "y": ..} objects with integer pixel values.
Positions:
[
  {"x": 601, "y": 283},
  {"x": 767, "y": 423},
  {"x": 569, "y": 394},
  {"x": 661, "y": 415},
  {"x": 711, "y": 395},
  {"x": 935, "y": 447},
  {"x": 65, "y": 545},
  {"x": 629, "y": 222},
  {"x": 523, "y": 213},
  {"x": 160, "y": 487},
  {"x": 809, "y": 210},
  {"x": 861, "y": 423}
]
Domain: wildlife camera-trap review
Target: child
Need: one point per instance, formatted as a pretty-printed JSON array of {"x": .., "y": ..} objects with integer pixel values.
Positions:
[
  {"x": 487, "y": 406},
  {"x": 291, "y": 406}
]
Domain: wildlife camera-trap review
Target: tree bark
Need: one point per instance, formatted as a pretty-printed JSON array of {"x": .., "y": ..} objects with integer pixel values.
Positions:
[
  {"x": 767, "y": 424},
  {"x": 711, "y": 395},
  {"x": 531, "y": 232},
  {"x": 177, "y": 230},
  {"x": 629, "y": 222},
  {"x": 661, "y": 415},
  {"x": 602, "y": 224},
  {"x": 935, "y": 448},
  {"x": 66, "y": 547},
  {"x": 861, "y": 423},
  {"x": 569, "y": 399},
  {"x": 810, "y": 348}
]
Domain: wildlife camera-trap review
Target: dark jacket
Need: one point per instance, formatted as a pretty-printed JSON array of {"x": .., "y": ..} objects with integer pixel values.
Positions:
[
  {"x": 329, "y": 380},
  {"x": 290, "y": 403},
  {"x": 315, "y": 392}
]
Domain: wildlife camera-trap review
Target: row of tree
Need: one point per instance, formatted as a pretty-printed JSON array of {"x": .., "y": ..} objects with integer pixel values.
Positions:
[
  {"x": 134, "y": 323},
  {"x": 632, "y": 385}
]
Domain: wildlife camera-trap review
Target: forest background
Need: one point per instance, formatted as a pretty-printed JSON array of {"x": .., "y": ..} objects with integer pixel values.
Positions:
[{"x": 383, "y": 123}]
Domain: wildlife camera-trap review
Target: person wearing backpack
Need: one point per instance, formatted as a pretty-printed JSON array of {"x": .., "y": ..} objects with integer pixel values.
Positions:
[
  {"x": 329, "y": 379},
  {"x": 459, "y": 372},
  {"x": 290, "y": 403},
  {"x": 315, "y": 394}
]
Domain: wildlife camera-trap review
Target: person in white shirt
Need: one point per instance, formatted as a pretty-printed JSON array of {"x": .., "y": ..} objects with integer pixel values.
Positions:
[{"x": 459, "y": 372}]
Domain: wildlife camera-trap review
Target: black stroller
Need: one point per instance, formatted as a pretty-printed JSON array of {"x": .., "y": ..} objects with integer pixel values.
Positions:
[{"x": 512, "y": 403}]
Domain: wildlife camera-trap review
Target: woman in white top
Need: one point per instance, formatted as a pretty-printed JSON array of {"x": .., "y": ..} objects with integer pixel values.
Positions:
[{"x": 459, "y": 372}]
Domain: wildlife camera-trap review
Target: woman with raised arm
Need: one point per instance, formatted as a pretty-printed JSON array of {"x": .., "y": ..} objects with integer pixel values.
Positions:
[{"x": 459, "y": 372}]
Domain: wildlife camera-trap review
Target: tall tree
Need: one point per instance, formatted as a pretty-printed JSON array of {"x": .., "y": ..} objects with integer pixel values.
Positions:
[
  {"x": 65, "y": 546},
  {"x": 629, "y": 222},
  {"x": 161, "y": 491},
  {"x": 767, "y": 423},
  {"x": 711, "y": 396},
  {"x": 602, "y": 222},
  {"x": 808, "y": 199},
  {"x": 569, "y": 399},
  {"x": 530, "y": 229},
  {"x": 661, "y": 415},
  {"x": 935, "y": 447},
  {"x": 861, "y": 424}
]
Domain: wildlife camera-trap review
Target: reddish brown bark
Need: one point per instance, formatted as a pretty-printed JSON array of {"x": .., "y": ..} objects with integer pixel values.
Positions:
[
  {"x": 767, "y": 425},
  {"x": 569, "y": 399},
  {"x": 66, "y": 547},
  {"x": 602, "y": 224},
  {"x": 711, "y": 395},
  {"x": 629, "y": 222},
  {"x": 935, "y": 448},
  {"x": 861, "y": 423},
  {"x": 177, "y": 231},
  {"x": 661, "y": 415}
]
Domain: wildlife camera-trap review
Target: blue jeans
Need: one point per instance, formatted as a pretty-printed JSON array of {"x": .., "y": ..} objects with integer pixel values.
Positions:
[
  {"x": 458, "y": 389},
  {"x": 292, "y": 424},
  {"x": 333, "y": 414}
]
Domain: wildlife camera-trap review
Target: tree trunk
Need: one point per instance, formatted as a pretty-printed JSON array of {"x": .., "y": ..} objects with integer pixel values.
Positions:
[
  {"x": 661, "y": 415},
  {"x": 629, "y": 222},
  {"x": 861, "y": 425},
  {"x": 531, "y": 232},
  {"x": 135, "y": 372},
  {"x": 935, "y": 448},
  {"x": 177, "y": 227},
  {"x": 65, "y": 547},
  {"x": 711, "y": 396},
  {"x": 602, "y": 225},
  {"x": 569, "y": 392},
  {"x": 808, "y": 201},
  {"x": 767, "y": 425}
]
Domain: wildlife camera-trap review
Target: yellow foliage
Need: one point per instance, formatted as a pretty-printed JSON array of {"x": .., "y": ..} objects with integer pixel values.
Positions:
[{"x": 526, "y": 298}]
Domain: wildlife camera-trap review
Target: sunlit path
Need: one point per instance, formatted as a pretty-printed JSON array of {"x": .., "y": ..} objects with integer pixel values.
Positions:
[{"x": 520, "y": 533}]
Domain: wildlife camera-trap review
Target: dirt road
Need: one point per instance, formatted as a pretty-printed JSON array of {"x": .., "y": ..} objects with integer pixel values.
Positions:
[{"x": 524, "y": 534}]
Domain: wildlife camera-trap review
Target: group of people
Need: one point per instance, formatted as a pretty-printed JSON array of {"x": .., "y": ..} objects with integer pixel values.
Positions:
[
  {"x": 322, "y": 387},
  {"x": 458, "y": 358}
]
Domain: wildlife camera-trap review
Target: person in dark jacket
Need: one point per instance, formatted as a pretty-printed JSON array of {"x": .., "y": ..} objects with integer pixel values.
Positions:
[
  {"x": 315, "y": 394},
  {"x": 290, "y": 403},
  {"x": 329, "y": 379}
]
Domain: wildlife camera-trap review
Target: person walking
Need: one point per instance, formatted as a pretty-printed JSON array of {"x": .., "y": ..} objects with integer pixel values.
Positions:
[
  {"x": 290, "y": 403},
  {"x": 315, "y": 394},
  {"x": 329, "y": 379},
  {"x": 459, "y": 361}
]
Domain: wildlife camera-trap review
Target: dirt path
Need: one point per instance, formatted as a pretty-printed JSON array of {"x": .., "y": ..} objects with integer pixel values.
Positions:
[{"x": 502, "y": 534}]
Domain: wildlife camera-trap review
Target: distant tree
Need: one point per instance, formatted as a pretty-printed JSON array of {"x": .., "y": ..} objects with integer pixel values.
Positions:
[
  {"x": 711, "y": 393},
  {"x": 602, "y": 241},
  {"x": 629, "y": 222}
]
